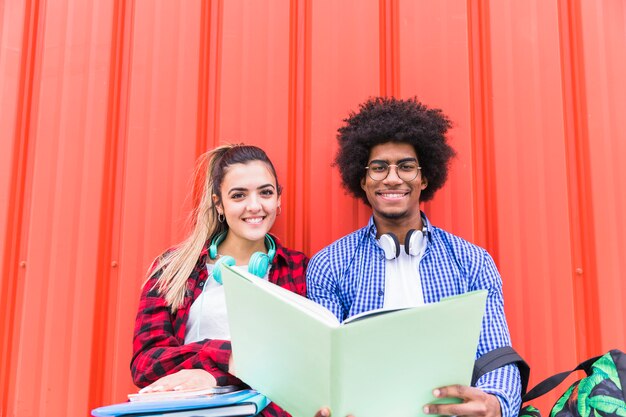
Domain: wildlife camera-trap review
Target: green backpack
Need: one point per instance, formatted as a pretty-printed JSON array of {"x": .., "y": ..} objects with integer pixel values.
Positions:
[{"x": 602, "y": 393}]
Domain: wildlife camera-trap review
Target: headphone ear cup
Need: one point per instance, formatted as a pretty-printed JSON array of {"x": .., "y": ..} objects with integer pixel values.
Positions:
[
  {"x": 390, "y": 245},
  {"x": 408, "y": 240},
  {"x": 213, "y": 250},
  {"x": 258, "y": 264},
  {"x": 413, "y": 242},
  {"x": 271, "y": 249},
  {"x": 217, "y": 268},
  {"x": 215, "y": 243}
]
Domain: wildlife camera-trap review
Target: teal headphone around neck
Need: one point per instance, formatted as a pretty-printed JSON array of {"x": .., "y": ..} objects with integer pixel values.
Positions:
[{"x": 258, "y": 264}]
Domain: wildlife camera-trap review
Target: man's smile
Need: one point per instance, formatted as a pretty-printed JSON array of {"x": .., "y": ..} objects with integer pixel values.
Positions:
[{"x": 392, "y": 194}]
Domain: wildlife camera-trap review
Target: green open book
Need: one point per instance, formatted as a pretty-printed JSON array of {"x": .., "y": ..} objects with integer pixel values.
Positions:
[{"x": 295, "y": 351}]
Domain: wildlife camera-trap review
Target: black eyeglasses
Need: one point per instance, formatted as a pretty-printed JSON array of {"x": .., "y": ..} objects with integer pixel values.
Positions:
[{"x": 406, "y": 170}]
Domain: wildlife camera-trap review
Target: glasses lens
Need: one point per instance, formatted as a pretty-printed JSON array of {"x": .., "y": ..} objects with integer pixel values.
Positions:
[
  {"x": 407, "y": 171},
  {"x": 378, "y": 171}
]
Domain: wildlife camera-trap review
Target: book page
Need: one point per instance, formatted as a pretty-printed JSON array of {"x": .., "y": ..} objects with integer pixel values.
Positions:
[
  {"x": 372, "y": 313},
  {"x": 311, "y": 307},
  {"x": 385, "y": 310},
  {"x": 187, "y": 393},
  {"x": 280, "y": 345},
  {"x": 422, "y": 347}
]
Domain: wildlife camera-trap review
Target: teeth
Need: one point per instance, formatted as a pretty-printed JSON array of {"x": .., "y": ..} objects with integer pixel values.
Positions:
[
  {"x": 254, "y": 220},
  {"x": 393, "y": 195}
]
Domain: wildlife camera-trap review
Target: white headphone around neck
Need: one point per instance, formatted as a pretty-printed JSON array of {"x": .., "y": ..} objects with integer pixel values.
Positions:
[{"x": 413, "y": 243}]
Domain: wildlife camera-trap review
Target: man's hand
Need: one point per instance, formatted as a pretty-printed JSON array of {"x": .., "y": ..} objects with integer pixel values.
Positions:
[
  {"x": 475, "y": 402},
  {"x": 181, "y": 380}
]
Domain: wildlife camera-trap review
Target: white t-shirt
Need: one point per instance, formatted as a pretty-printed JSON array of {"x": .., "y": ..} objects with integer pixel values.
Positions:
[
  {"x": 207, "y": 315},
  {"x": 403, "y": 284}
]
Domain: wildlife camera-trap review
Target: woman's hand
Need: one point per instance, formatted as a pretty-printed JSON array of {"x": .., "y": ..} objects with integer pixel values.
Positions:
[
  {"x": 325, "y": 412},
  {"x": 182, "y": 380},
  {"x": 231, "y": 365}
]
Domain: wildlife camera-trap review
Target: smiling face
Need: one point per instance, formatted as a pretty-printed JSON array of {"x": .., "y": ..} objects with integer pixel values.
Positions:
[
  {"x": 249, "y": 200},
  {"x": 395, "y": 202}
]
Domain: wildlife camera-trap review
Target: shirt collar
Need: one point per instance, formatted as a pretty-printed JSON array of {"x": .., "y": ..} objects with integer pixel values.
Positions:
[
  {"x": 372, "y": 231},
  {"x": 280, "y": 249}
]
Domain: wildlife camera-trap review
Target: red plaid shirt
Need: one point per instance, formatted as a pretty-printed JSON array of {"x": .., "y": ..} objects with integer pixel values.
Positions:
[{"x": 158, "y": 342}]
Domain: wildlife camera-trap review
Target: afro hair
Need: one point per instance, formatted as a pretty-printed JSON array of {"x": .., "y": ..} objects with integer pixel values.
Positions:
[{"x": 387, "y": 119}]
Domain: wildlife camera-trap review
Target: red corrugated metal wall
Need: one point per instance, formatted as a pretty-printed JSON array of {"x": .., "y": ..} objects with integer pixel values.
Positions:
[{"x": 106, "y": 104}]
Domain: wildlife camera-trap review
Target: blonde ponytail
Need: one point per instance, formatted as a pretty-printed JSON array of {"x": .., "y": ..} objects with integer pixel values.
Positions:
[{"x": 177, "y": 264}]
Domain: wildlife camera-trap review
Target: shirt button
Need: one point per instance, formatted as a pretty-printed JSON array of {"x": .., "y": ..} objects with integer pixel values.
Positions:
[
  {"x": 201, "y": 284},
  {"x": 381, "y": 293}
]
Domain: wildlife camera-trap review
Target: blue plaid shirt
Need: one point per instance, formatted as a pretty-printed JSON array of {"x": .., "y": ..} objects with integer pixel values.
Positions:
[{"x": 348, "y": 277}]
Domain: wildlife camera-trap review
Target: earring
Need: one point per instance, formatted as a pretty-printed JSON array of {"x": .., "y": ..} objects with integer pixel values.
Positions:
[
  {"x": 221, "y": 217},
  {"x": 280, "y": 210}
]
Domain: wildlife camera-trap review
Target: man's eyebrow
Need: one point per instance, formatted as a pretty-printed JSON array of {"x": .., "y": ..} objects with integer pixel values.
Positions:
[{"x": 399, "y": 161}]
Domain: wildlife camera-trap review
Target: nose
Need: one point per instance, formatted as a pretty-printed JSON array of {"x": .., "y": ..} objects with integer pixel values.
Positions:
[
  {"x": 392, "y": 177},
  {"x": 254, "y": 204}
]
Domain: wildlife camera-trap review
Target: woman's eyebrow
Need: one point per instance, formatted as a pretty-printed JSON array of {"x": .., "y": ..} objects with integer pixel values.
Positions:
[
  {"x": 237, "y": 189},
  {"x": 245, "y": 189}
]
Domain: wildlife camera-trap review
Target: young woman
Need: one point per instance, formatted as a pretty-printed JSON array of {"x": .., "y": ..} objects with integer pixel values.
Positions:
[{"x": 181, "y": 338}]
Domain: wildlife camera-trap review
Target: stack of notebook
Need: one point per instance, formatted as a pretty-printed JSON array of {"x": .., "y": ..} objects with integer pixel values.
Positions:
[{"x": 188, "y": 404}]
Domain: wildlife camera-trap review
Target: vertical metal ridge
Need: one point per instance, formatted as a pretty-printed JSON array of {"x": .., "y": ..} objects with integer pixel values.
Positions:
[
  {"x": 305, "y": 242},
  {"x": 389, "y": 47},
  {"x": 482, "y": 130},
  {"x": 306, "y": 131},
  {"x": 291, "y": 119},
  {"x": 217, "y": 62},
  {"x": 203, "y": 82},
  {"x": 582, "y": 240},
  {"x": 14, "y": 240},
  {"x": 111, "y": 191},
  {"x": 208, "y": 85},
  {"x": 207, "y": 135},
  {"x": 298, "y": 131}
]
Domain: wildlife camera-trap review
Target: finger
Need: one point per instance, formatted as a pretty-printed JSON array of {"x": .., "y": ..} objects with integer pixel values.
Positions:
[
  {"x": 196, "y": 382},
  {"x": 458, "y": 391},
  {"x": 154, "y": 387},
  {"x": 169, "y": 383},
  {"x": 192, "y": 383},
  {"x": 182, "y": 386},
  {"x": 459, "y": 409},
  {"x": 323, "y": 412}
]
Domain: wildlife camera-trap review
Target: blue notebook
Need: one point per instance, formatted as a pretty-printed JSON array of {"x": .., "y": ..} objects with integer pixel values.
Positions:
[{"x": 240, "y": 403}]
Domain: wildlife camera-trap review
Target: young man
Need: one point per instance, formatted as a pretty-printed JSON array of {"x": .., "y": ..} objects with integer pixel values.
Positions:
[{"x": 393, "y": 154}]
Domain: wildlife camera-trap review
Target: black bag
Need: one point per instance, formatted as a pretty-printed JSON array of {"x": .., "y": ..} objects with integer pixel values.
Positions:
[{"x": 602, "y": 393}]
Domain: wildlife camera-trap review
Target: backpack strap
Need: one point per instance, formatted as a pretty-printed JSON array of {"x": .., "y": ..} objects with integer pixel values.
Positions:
[
  {"x": 498, "y": 358},
  {"x": 619, "y": 359},
  {"x": 551, "y": 382}
]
